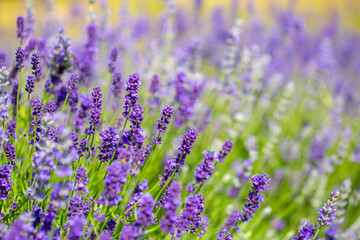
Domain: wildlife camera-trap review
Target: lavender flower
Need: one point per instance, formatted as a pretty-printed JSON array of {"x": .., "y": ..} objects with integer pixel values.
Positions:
[
  {"x": 225, "y": 235},
  {"x": 116, "y": 85},
  {"x": 60, "y": 57},
  {"x": 60, "y": 194},
  {"x": 30, "y": 84},
  {"x": 107, "y": 147},
  {"x": 206, "y": 168},
  {"x": 3, "y": 61},
  {"x": 10, "y": 132},
  {"x": 73, "y": 100},
  {"x": 112, "y": 60},
  {"x": 116, "y": 177},
  {"x": 161, "y": 126},
  {"x": 4, "y": 75},
  {"x": 132, "y": 86},
  {"x": 190, "y": 220},
  {"x": 36, "y": 67},
  {"x": 96, "y": 106},
  {"x": 20, "y": 27},
  {"x": 155, "y": 84},
  {"x": 78, "y": 206},
  {"x": 226, "y": 149},
  {"x": 328, "y": 212},
  {"x": 187, "y": 93},
  {"x": 51, "y": 108},
  {"x": 19, "y": 58},
  {"x": 173, "y": 201},
  {"x": 37, "y": 106},
  {"x": 136, "y": 118},
  {"x": 76, "y": 226},
  {"x": 9, "y": 151},
  {"x": 307, "y": 231},
  {"x": 130, "y": 232},
  {"x": 260, "y": 183},
  {"x": 145, "y": 211},
  {"x": 154, "y": 88},
  {"x": 88, "y": 58},
  {"x": 186, "y": 145},
  {"x": 22, "y": 228},
  {"x": 13, "y": 207},
  {"x": 81, "y": 180},
  {"x": 5, "y": 181},
  {"x": 82, "y": 147},
  {"x": 72, "y": 83},
  {"x": 185, "y": 148}
]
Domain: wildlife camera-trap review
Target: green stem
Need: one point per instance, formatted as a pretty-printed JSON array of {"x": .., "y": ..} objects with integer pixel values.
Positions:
[
  {"x": 66, "y": 98},
  {"x": 36, "y": 81},
  {"x": 92, "y": 141},
  {"x": 28, "y": 114},
  {"x": 317, "y": 232},
  {"x": 153, "y": 229},
  {"x": 122, "y": 132},
  {"x": 231, "y": 229}
]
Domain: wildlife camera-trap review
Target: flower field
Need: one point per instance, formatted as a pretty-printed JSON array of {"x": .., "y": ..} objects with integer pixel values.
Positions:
[{"x": 186, "y": 125}]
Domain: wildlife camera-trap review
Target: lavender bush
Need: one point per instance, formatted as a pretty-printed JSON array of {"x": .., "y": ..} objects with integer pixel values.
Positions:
[{"x": 186, "y": 127}]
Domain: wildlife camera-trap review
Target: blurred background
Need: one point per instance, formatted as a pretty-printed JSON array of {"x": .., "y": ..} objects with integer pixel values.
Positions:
[{"x": 315, "y": 12}]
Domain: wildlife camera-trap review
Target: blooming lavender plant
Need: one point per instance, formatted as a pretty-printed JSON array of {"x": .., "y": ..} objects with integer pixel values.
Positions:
[{"x": 80, "y": 154}]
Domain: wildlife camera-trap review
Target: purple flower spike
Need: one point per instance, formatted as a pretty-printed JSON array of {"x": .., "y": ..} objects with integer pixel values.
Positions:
[
  {"x": 161, "y": 126},
  {"x": 108, "y": 145},
  {"x": 190, "y": 220},
  {"x": 145, "y": 211},
  {"x": 186, "y": 145},
  {"x": 20, "y": 22},
  {"x": 5, "y": 181},
  {"x": 72, "y": 83},
  {"x": 328, "y": 212},
  {"x": 81, "y": 180},
  {"x": 224, "y": 235},
  {"x": 76, "y": 226},
  {"x": 36, "y": 67},
  {"x": 9, "y": 151},
  {"x": 37, "y": 106},
  {"x": 206, "y": 168},
  {"x": 185, "y": 148},
  {"x": 260, "y": 182},
  {"x": 112, "y": 59},
  {"x": 116, "y": 177},
  {"x": 116, "y": 85},
  {"x": 30, "y": 84},
  {"x": 51, "y": 107},
  {"x": 307, "y": 232},
  {"x": 226, "y": 149},
  {"x": 132, "y": 86},
  {"x": 173, "y": 201},
  {"x": 20, "y": 55},
  {"x": 96, "y": 106}
]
